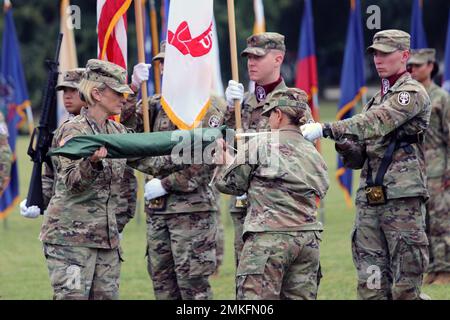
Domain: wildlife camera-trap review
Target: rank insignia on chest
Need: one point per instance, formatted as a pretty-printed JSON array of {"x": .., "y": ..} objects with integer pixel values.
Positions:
[{"x": 214, "y": 121}]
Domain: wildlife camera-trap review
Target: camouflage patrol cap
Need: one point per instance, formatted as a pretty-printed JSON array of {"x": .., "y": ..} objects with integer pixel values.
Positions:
[
  {"x": 111, "y": 74},
  {"x": 71, "y": 79},
  {"x": 260, "y": 44},
  {"x": 162, "y": 51},
  {"x": 291, "y": 101},
  {"x": 388, "y": 41},
  {"x": 421, "y": 56}
]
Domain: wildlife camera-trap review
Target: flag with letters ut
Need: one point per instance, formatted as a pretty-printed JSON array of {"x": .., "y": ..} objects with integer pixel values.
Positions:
[
  {"x": 352, "y": 86},
  {"x": 418, "y": 36},
  {"x": 13, "y": 101},
  {"x": 446, "y": 82},
  {"x": 112, "y": 30},
  {"x": 188, "y": 62}
]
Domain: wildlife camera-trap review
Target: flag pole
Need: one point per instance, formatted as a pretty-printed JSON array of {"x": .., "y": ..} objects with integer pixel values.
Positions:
[
  {"x": 155, "y": 45},
  {"x": 234, "y": 62},
  {"x": 141, "y": 59}
]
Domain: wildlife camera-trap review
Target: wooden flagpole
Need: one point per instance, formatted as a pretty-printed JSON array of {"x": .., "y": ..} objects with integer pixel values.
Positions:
[
  {"x": 234, "y": 61},
  {"x": 155, "y": 45},
  {"x": 141, "y": 59}
]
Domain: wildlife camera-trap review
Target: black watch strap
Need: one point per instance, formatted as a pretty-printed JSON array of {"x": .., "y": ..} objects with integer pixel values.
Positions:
[{"x": 327, "y": 132}]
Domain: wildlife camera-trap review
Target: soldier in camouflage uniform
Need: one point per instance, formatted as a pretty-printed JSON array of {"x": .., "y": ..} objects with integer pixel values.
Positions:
[
  {"x": 80, "y": 231},
  {"x": 181, "y": 225},
  {"x": 73, "y": 105},
  {"x": 265, "y": 54},
  {"x": 389, "y": 243},
  {"x": 280, "y": 257},
  {"x": 5, "y": 155},
  {"x": 423, "y": 68}
]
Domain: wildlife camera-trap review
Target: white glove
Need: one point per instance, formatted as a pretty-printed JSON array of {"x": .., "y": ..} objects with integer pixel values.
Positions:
[
  {"x": 242, "y": 197},
  {"x": 154, "y": 189},
  {"x": 141, "y": 72},
  {"x": 235, "y": 91},
  {"x": 312, "y": 131},
  {"x": 29, "y": 212}
]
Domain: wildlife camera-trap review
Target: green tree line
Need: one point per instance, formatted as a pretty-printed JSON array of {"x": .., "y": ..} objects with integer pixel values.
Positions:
[{"x": 37, "y": 24}]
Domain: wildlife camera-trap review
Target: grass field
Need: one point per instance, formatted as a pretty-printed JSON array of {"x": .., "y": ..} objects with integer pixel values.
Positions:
[{"x": 23, "y": 271}]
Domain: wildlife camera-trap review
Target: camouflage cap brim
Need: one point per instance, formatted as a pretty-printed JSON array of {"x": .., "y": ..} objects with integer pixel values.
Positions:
[
  {"x": 122, "y": 88},
  {"x": 381, "y": 47},
  {"x": 260, "y": 52},
  {"x": 417, "y": 60},
  {"x": 66, "y": 84},
  {"x": 159, "y": 56}
]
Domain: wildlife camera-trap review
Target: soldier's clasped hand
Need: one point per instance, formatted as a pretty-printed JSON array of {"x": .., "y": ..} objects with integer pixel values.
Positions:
[
  {"x": 99, "y": 155},
  {"x": 234, "y": 91},
  {"x": 312, "y": 131}
]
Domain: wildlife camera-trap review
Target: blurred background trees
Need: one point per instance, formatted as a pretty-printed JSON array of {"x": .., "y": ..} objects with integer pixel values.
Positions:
[{"x": 37, "y": 24}]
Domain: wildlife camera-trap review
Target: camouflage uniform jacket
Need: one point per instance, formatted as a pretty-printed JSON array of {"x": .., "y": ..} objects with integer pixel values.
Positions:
[
  {"x": 187, "y": 186},
  {"x": 85, "y": 208},
  {"x": 5, "y": 155},
  {"x": 437, "y": 138},
  {"x": 251, "y": 119},
  {"x": 405, "y": 105},
  {"x": 282, "y": 186}
]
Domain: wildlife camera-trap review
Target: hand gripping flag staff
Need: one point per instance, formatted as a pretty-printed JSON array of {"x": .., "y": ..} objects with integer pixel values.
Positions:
[{"x": 186, "y": 85}]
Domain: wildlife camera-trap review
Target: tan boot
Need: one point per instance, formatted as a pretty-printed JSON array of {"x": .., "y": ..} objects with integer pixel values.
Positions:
[
  {"x": 442, "y": 278},
  {"x": 429, "y": 278}
]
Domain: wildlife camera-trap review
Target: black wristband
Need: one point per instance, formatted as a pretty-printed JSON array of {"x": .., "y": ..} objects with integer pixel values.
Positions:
[{"x": 326, "y": 131}]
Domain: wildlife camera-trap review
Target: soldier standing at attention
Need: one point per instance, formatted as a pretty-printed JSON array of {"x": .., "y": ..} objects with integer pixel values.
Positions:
[
  {"x": 265, "y": 54},
  {"x": 423, "y": 68},
  {"x": 80, "y": 231},
  {"x": 5, "y": 155},
  {"x": 181, "y": 211},
  {"x": 73, "y": 105},
  {"x": 387, "y": 137},
  {"x": 280, "y": 257}
]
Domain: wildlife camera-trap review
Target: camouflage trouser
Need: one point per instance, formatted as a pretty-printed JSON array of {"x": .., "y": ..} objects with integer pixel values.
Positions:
[
  {"x": 181, "y": 254},
  {"x": 82, "y": 273},
  {"x": 238, "y": 223},
  {"x": 390, "y": 249},
  {"x": 438, "y": 226},
  {"x": 279, "y": 266},
  {"x": 219, "y": 241}
]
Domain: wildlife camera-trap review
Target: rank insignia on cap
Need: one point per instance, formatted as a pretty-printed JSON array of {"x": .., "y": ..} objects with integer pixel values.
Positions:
[{"x": 404, "y": 98}]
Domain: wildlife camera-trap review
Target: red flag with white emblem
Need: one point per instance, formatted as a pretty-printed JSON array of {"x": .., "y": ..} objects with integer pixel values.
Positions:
[{"x": 188, "y": 63}]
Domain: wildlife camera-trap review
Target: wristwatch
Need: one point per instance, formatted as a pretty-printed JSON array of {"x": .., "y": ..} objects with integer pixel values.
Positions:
[{"x": 326, "y": 131}]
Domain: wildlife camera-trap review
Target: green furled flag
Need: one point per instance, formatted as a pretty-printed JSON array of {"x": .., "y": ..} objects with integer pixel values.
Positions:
[{"x": 133, "y": 145}]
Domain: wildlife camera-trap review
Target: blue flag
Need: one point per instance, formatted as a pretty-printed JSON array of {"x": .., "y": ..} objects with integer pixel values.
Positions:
[
  {"x": 352, "y": 85},
  {"x": 446, "y": 82},
  {"x": 418, "y": 36},
  {"x": 165, "y": 4},
  {"x": 13, "y": 101}
]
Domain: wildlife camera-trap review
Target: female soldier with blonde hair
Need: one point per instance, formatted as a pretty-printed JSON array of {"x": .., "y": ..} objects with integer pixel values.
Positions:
[{"x": 80, "y": 231}]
